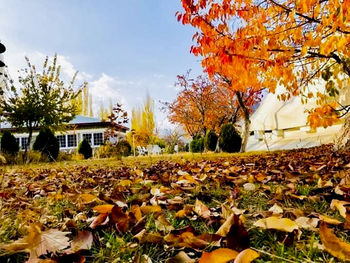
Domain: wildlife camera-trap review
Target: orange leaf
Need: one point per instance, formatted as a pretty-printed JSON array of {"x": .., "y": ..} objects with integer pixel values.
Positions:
[
  {"x": 102, "y": 209},
  {"x": 333, "y": 244},
  {"x": 221, "y": 255}
]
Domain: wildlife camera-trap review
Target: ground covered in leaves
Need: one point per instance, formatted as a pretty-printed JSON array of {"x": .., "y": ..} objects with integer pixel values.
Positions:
[{"x": 276, "y": 207}]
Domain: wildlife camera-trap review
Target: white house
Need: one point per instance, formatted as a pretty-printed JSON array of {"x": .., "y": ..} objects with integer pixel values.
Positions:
[{"x": 93, "y": 129}]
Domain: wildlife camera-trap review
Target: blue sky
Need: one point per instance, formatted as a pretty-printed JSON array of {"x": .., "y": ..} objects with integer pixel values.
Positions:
[{"x": 124, "y": 49}]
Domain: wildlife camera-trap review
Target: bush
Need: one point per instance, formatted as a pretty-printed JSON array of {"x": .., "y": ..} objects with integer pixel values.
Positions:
[
  {"x": 211, "y": 140},
  {"x": 9, "y": 144},
  {"x": 47, "y": 144},
  {"x": 229, "y": 140},
  {"x": 123, "y": 148},
  {"x": 64, "y": 156},
  {"x": 106, "y": 151},
  {"x": 197, "y": 145},
  {"x": 85, "y": 149}
]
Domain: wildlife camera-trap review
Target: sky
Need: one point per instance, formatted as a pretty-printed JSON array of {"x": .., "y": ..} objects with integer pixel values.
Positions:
[{"x": 123, "y": 49}]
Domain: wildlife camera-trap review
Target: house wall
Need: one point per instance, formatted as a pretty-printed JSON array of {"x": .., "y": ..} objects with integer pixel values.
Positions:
[{"x": 66, "y": 138}]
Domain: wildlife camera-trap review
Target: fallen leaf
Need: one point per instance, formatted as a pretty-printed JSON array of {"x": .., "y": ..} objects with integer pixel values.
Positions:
[
  {"x": 163, "y": 224},
  {"x": 329, "y": 220},
  {"x": 221, "y": 255},
  {"x": 86, "y": 198},
  {"x": 340, "y": 206},
  {"x": 39, "y": 243},
  {"x": 246, "y": 256},
  {"x": 282, "y": 224},
  {"x": 150, "y": 209},
  {"x": 307, "y": 223},
  {"x": 181, "y": 257},
  {"x": 102, "y": 209},
  {"x": 333, "y": 244},
  {"x": 82, "y": 241},
  {"x": 226, "y": 226},
  {"x": 101, "y": 219},
  {"x": 145, "y": 237},
  {"x": 276, "y": 209},
  {"x": 201, "y": 209}
]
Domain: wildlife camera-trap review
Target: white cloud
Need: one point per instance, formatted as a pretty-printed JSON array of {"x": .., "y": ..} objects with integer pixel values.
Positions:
[{"x": 108, "y": 88}]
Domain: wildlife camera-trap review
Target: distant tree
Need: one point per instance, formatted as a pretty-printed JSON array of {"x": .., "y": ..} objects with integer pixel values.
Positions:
[
  {"x": 85, "y": 149},
  {"x": 142, "y": 121},
  {"x": 202, "y": 105},
  {"x": 43, "y": 99},
  {"x": 8, "y": 143},
  {"x": 117, "y": 117},
  {"x": 47, "y": 143},
  {"x": 174, "y": 137}
]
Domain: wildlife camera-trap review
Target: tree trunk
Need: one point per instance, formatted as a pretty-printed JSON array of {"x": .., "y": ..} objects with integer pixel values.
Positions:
[
  {"x": 245, "y": 133},
  {"x": 26, "y": 159},
  {"x": 343, "y": 139}
]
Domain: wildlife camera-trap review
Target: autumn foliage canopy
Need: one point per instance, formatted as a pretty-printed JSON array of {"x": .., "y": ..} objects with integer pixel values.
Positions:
[{"x": 271, "y": 43}]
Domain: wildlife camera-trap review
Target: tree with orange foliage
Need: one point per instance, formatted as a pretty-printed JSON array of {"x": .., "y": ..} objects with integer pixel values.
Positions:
[
  {"x": 201, "y": 105},
  {"x": 270, "y": 43}
]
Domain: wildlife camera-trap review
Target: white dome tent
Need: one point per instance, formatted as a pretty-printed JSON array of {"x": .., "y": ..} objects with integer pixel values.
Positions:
[{"x": 278, "y": 125}]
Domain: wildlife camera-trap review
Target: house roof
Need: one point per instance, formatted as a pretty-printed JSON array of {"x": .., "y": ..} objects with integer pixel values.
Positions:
[{"x": 79, "y": 121}]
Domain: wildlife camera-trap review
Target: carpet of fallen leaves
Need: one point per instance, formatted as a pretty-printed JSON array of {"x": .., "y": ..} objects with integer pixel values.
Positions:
[{"x": 288, "y": 206}]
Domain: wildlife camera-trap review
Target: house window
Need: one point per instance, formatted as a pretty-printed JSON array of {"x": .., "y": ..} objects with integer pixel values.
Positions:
[
  {"x": 98, "y": 138},
  {"x": 72, "y": 140},
  {"x": 24, "y": 142},
  {"x": 88, "y": 137},
  {"x": 17, "y": 141},
  {"x": 62, "y": 141}
]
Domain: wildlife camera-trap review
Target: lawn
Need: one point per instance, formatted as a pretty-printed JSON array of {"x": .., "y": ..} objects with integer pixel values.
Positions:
[{"x": 175, "y": 208}]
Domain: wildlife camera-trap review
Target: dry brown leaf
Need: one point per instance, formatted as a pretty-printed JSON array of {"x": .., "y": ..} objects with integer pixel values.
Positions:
[
  {"x": 307, "y": 223},
  {"x": 181, "y": 257},
  {"x": 101, "y": 219},
  {"x": 282, "y": 224},
  {"x": 39, "y": 243},
  {"x": 82, "y": 241},
  {"x": 225, "y": 227},
  {"x": 246, "y": 256},
  {"x": 276, "y": 209},
  {"x": 221, "y": 255},
  {"x": 163, "y": 224},
  {"x": 333, "y": 244},
  {"x": 145, "y": 237},
  {"x": 201, "y": 209}
]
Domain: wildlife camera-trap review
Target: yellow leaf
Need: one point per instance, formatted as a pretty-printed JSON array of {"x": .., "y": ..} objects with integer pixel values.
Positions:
[
  {"x": 135, "y": 209},
  {"x": 282, "y": 224},
  {"x": 125, "y": 183},
  {"x": 246, "y": 256},
  {"x": 333, "y": 244},
  {"x": 148, "y": 209},
  {"x": 221, "y": 255},
  {"x": 340, "y": 206},
  {"x": 87, "y": 198},
  {"x": 329, "y": 220},
  {"x": 102, "y": 209}
]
